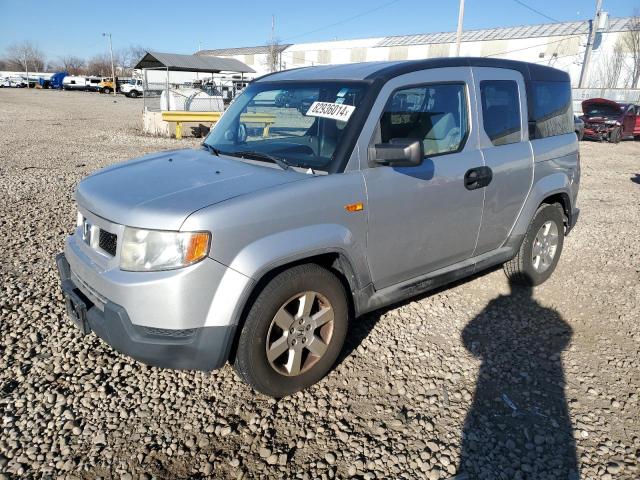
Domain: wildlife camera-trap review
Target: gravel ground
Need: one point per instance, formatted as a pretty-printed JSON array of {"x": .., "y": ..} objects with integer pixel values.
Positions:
[{"x": 472, "y": 381}]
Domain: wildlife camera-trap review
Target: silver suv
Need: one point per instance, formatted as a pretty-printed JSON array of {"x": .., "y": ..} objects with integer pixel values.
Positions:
[{"x": 260, "y": 247}]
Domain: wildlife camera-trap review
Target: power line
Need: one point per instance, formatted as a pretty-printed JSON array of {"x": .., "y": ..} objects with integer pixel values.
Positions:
[
  {"x": 519, "y": 2},
  {"x": 367, "y": 12}
]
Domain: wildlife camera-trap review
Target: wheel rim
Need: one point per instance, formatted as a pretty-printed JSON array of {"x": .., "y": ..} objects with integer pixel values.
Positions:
[
  {"x": 545, "y": 246},
  {"x": 300, "y": 333}
]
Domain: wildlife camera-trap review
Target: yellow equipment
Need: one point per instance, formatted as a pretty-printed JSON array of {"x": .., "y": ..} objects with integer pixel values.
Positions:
[{"x": 179, "y": 118}]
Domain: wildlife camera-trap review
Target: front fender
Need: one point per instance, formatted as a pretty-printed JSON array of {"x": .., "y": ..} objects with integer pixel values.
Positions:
[{"x": 267, "y": 253}]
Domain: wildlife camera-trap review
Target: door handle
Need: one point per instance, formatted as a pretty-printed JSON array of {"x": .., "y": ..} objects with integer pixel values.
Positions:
[{"x": 478, "y": 177}]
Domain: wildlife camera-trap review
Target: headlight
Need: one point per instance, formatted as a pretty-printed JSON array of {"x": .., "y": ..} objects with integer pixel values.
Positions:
[{"x": 149, "y": 250}]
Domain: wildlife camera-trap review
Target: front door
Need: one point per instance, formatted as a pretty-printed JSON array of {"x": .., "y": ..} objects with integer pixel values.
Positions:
[
  {"x": 631, "y": 121},
  {"x": 424, "y": 218}
]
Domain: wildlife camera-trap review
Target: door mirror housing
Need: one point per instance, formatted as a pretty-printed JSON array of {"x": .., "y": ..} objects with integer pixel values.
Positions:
[{"x": 399, "y": 152}]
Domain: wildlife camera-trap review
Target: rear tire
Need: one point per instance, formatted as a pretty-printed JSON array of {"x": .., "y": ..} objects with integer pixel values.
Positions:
[
  {"x": 285, "y": 347},
  {"x": 133, "y": 94},
  {"x": 107, "y": 90},
  {"x": 540, "y": 251}
]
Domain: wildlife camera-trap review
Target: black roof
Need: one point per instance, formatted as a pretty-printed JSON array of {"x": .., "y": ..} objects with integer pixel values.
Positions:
[
  {"x": 384, "y": 71},
  {"x": 530, "y": 71}
]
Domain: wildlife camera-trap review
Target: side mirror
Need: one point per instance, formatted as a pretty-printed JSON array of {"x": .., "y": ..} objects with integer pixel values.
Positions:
[{"x": 399, "y": 152}]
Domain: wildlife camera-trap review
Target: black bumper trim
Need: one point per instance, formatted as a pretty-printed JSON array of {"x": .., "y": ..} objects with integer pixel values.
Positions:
[
  {"x": 573, "y": 219},
  {"x": 205, "y": 348}
]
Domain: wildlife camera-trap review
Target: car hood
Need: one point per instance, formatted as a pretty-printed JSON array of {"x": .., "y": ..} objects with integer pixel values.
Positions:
[
  {"x": 159, "y": 191},
  {"x": 601, "y": 101}
]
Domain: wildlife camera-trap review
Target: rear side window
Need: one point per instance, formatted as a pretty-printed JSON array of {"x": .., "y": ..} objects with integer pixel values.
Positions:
[
  {"x": 435, "y": 114},
  {"x": 501, "y": 111},
  {"x": 552, "y": 109}
]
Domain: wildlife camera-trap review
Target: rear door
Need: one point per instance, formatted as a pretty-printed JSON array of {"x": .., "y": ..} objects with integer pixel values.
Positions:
[
  {"x": 504, "y": 144},
  {"x": 423, "y": 218}
]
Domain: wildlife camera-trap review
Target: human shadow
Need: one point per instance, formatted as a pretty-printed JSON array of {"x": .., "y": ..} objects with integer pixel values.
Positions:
[
  {"x": 636, "y": 178},
  {"x": 518, "y": 426}
]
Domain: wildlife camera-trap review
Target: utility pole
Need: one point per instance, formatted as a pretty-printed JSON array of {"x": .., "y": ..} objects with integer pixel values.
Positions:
[
  {"x": 595, "y": 23},
  {"x": 26, "y": 68},
  {"x": 459, "y": 31},
  {"x": 113, "y": 70}
]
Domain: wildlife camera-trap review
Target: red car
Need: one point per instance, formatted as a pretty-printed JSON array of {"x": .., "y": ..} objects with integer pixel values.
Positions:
[{"x": 609, "y": 120}]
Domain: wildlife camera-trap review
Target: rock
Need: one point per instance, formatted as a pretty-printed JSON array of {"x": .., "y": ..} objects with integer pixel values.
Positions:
[
  {"x": 330, "y": 458},
  {"x": 614, "y": 468},
  {"x": 264, "y": 452}
]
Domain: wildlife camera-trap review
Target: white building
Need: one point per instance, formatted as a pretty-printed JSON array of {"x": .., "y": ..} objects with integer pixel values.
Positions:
[{"x": 560, "y": 45}]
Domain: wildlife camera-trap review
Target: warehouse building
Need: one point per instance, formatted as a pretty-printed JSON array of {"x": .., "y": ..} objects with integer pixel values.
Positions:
[{"x": 560, "y": 45}]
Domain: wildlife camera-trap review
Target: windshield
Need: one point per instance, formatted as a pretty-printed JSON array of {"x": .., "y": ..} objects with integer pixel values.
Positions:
[
  {"x": 302, "y": 123},
  {"x": 602, "y": 110}
]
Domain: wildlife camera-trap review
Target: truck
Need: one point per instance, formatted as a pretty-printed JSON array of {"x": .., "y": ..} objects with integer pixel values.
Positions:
[
  {"x": 132, "y": 89},
  {"x": 260, "y": 247}
]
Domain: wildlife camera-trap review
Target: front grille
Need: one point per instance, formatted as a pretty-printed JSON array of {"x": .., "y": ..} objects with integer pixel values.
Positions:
[{"x": 108, "y": 242}]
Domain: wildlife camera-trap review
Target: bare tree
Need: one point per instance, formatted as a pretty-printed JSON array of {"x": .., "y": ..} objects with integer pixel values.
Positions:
[
  {"x": 127, "y": 58},
  {"x": 99, "y": 65},
  {"x": 25, "y": 56},
  {"x": 73, "y": 65},
  {"x": 631, "y": 44},
  {"x": 610, "y": 71},
  {"x": 273, "y": 56}
]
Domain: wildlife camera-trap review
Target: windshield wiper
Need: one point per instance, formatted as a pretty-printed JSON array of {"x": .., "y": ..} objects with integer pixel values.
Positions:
[
  {"x": 281, "y": 162},
  {"x": 211, "y": 149}
]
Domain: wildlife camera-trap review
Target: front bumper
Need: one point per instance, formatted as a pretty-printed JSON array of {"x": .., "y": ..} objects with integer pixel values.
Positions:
[
  {"x": 598, "y": 131},
  {"x": 203, "y": 348}
]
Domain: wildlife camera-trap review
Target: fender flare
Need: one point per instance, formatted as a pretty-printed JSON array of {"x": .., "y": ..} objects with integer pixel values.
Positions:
[
  {"x": 275, "y": 251},
  {"x": 557, "y": 183}
]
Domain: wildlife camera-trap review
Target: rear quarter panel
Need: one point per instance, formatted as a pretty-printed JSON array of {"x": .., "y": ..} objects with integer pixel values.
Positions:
[{"x": 556, "y": 170}]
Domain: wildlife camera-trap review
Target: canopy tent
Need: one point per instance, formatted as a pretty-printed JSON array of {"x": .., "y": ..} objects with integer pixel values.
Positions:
[{"x": 192, "y": 63}]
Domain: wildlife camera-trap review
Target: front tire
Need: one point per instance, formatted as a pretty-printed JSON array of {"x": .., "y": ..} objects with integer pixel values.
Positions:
[
  {"x": 540, "y": 251},
  {"x": 294, "y": 331},
  {"x": 616, "y": 135}
]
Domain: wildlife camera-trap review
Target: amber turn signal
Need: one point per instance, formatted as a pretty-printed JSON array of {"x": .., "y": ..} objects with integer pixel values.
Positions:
[
  {"x": 354, "y": 207},
  {"x": 198, "y": 247}
]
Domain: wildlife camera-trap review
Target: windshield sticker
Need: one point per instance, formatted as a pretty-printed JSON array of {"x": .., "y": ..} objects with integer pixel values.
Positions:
[
  {"x": 333, "y": 111},
  {"x": 343, "y": 92}
]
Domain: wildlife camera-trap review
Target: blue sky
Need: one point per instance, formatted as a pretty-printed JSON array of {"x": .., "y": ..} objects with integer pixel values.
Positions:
[{"x": 71, "y": 27}]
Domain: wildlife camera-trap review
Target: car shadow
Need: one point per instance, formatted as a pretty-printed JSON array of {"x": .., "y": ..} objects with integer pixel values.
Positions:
[
  {"x": 518, "y": 425},
  {"x": 360, "y": 328},
  {"x": 636, "y": 178}
]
